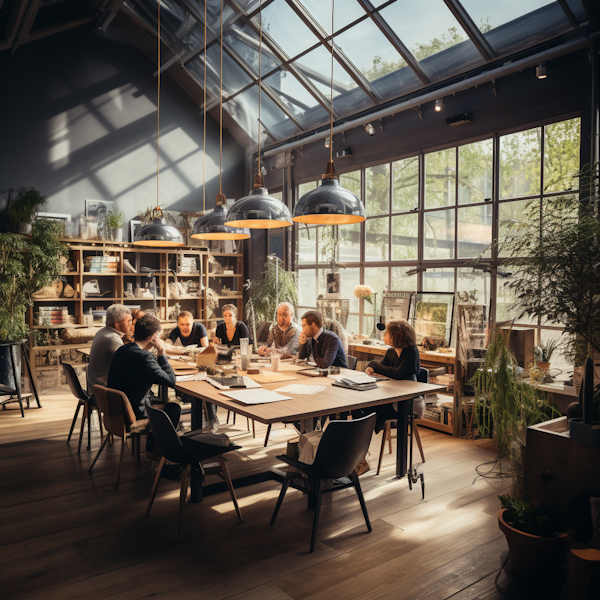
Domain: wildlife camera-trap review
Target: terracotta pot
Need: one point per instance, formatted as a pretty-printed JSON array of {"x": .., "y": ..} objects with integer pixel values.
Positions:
[
  {"x": 544, "y": 366},
  {"x": 532, "y": 556}
]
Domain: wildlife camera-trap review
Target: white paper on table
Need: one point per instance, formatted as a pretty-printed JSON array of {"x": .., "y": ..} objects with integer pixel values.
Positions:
[
  {"x": 249, "y": 383},
  {"x": 303, "y": 390},
  {"x": 355, "y": 378},
  {"x": 200, "y": 376},
  {"x": 255, "y": 396}
]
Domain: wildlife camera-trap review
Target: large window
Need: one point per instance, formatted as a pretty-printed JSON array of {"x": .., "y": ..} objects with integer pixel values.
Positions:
[{"x": 429, "y": 216}]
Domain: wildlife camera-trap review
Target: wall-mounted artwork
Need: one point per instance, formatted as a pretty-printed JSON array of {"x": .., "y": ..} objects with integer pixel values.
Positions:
[
  {"x": 99, "y": 209},
  {"x": 134, "y": 225}
]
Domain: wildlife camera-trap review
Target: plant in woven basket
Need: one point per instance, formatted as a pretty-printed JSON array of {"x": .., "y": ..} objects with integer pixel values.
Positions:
[{"x": 26, "y": 265}]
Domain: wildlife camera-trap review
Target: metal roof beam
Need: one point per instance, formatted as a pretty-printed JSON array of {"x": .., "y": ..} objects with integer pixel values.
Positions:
[
  {"x": 26, "y": 23},
  {"x": 390, "y": 34},
  {"x": 347, "y": 65},
  {"x": 568, "y": 12},
  {"x": 463, "y": 17}
]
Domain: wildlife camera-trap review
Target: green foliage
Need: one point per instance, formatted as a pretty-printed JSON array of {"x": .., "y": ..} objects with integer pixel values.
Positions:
[
  {"x": 264, "y": 294},
  {"x": 557, "y": 274},
  {"x": 328, "y": 242},
  {"x": 524, "y": 517},
  {"x": 26, "y": 265},
  {"x": 544, "y": 352},
  {"x": 505, "y": 405},
  {"x": 115, "y": 220},
  {"x": 23, "y": 208}
]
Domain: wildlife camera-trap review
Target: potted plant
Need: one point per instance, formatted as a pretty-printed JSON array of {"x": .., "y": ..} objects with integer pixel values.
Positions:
[
  {"x": 543, "y": 354},
  {"x": 534, "y": 546},
  {"x": 115, "y": 222},
  {"x": 21, "y": 210},
  {"x": 26, "y": 265}
]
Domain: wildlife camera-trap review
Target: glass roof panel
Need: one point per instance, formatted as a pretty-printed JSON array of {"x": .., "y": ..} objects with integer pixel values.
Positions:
[
  {"x": 242, "y": 39},
  {"x": 244, "y": 109},
  {"x": 369, "y": 50},
  {"x": 286, "y": 28},
  {"x": 512, "y": 25},
  {"x": 291, "y": 91},
  {"x": 344, "y": 14}
]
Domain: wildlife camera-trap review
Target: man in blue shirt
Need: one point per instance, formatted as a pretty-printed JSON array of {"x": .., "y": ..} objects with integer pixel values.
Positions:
[{"x": 325, "y": 346}]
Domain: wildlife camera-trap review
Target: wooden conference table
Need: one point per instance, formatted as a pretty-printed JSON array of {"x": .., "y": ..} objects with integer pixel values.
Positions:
[{"x": 303, "y": 407}]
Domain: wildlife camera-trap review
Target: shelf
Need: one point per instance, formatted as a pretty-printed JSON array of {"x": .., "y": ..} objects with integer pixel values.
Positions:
[
  {"x": 435, "y": 425},
  {"x": 47, "y": 367},
  {"x": 64, "y": 346},
  {"x": 221, "y": 275},
  {"x": 149, "y": 299},
  {"x": 215, "y": 254},
  {"x": 102, "y": 274},
  {"x": 68, "y": 325},
  {"x": 101, "y": 299},
  {"x": 230, "y": 297},
  {"x": 58, "y": 298}
]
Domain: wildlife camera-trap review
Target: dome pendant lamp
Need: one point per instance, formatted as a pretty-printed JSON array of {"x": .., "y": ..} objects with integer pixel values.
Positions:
[
  {"x": 212, "y": 226},
  {"x": 258, "y": 210},
  {"x": 330, "y": 203},
  {"x": 158, "y": 233}
]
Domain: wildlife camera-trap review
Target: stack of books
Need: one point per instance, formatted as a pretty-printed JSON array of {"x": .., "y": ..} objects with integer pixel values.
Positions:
[
  {"x": 53, "y": 315},
  {"x": 187, "y": 265},
  {"x": 102, "y": 264},
  {"x": 357, "y": 381}
]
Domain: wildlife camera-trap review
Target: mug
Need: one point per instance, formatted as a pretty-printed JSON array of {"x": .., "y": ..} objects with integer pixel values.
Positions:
[{"x": 275, "y": 361}]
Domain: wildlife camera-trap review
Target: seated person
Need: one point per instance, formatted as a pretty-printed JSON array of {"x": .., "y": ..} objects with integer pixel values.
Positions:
[
  {"x": 401, "y": 361},
  {"x": 325, "y": 346},
  {"x": 285, "y": 333},
  {"x": 231, "y": 331},
  {"x": 187, "y": 332},
  {"x": 107, "y": 341},
  {"x": 134, "y": 369},
  {"x": 136, "y": 313}
]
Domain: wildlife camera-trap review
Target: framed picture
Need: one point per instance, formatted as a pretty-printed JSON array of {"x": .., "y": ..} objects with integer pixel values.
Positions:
[
  {"x": 432, "y": 316},
  {"x": 99, "y": 209},
  {"x": 63, "y": 219},
  {"x": 333, "y": 283},
  {"x": 134, "y": 225},
  {"x": 395, "y": 305}
]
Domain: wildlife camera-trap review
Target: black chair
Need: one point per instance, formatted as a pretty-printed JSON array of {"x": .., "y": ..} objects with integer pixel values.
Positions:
[
  {"x": 352, "y": 360},
  {"x": 184, "y": 450},
  {"x": 422, "y": 377},
  {"x": 343, "y": 445},
  {"x": 88, "y": 402}
]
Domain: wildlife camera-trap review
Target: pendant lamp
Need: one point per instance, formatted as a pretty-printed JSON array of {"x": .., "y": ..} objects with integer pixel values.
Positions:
[
  {"x": 258, "y": 210},
  {"x": 330, "y": 203},
  {"x": 212, "y": 226},
  {"x": 158, "y": 233}
]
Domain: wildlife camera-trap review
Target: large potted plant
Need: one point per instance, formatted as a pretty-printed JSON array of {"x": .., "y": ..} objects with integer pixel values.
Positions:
[
  {"x": 21, "y": 209},
  {"x": 26, "y": 265}
]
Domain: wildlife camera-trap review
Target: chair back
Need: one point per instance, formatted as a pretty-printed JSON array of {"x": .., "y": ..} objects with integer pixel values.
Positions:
[
  {"x": 423, "y": 375},
  {"x": 262, "y": 333},
  {"x": 165, "y": 436},
  {"x": 74, "y": 384},
  {"x": 115, "y": 408},
  {"x": 352, "y": 360},
  {"x": 343, "y": 445}
]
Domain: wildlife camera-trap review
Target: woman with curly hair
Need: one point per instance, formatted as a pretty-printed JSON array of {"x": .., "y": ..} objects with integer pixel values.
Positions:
[
  {"x": 231, "y": 331},
  {"x": 401, "y": 361}
]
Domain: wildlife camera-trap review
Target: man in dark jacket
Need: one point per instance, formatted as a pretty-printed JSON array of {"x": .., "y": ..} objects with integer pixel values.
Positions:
[
  {"x": 326, "y": 347},
  {"x": 134, "y": 369}
]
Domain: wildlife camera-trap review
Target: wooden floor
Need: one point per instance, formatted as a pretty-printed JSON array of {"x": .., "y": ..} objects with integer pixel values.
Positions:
[{"x": 68, "y": 534}]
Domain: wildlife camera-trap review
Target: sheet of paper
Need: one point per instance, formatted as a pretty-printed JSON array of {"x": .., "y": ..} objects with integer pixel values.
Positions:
[
  {"x": 302, "y": 390},
  {"x": 200, "y": 376},
  {"x": 256, "y": 396}
]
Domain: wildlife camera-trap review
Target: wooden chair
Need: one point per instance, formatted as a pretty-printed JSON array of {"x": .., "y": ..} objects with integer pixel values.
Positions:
[
  {"x": 422, "y": 377},
  {"x": 352, "y": 360},
  {"x": 84, "y": 399},
  {"x": 343, "y": 445},
  {"x": 186, "y": 450},
  {"x": 120, "y": 421}
]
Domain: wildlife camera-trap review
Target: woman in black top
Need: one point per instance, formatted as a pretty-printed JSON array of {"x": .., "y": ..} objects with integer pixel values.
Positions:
[
  {"x": 231, "y": 331},
  {"x": 400, "y": 362}
]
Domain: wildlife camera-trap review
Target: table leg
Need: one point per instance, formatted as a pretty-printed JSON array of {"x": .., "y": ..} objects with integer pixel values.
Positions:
[
  {"x": 196, "y": 482},
  {"x": 402, "y": 435},
  {"x": 24, "y": 351}
]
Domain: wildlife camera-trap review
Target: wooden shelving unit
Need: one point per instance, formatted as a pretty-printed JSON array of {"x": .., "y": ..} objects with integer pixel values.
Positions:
[{"x": 163, "y": 262}]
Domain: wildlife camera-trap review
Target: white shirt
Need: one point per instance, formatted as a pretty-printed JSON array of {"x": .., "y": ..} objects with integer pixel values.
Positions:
[{"x": 316, "y": 337}]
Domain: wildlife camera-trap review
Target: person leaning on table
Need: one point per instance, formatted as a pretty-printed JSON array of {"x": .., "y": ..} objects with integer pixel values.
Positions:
[
  {"x": 188, "y": 333},
  {"x": 284, "y": 334},
  {"x": 231, "y": 331},
  {"x": 106, "y": 342},
  {"x": 400, "y": 362},
  {"x": 134, "y": 369},
  {"x": 325, "y": 346}
]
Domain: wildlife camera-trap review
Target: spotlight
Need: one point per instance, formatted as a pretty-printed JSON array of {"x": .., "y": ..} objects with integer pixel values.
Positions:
[
  {"x": 540, "y": 71},
  {"x": 327, "y": 142},
  {"x": 370, "y": 129},
  {"x": 439, "y": 104}
]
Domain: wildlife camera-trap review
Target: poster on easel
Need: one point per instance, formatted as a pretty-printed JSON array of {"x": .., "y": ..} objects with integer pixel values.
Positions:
[{"x": 395, "y": 305}]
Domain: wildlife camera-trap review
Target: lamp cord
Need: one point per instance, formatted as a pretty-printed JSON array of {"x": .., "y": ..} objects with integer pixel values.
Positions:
[
  {"x": 158, "y": 112},
  {"x": 259, "y": 79},
  {"x": 331, "y": 87},
  {"x": 221, "y": 108},
  {"x": 204, "y": 121}
]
